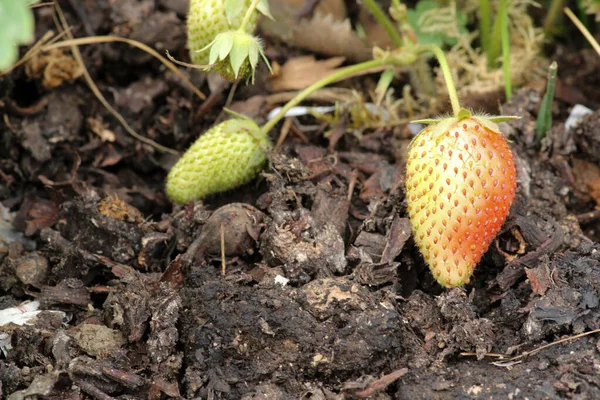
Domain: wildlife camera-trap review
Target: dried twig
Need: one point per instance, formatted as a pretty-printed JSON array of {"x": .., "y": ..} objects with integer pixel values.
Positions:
[
  {"x": 223, "y": 263},
  {"x": 377, "y": 385},
  {"x": 584, "y": 31},
  {"x": 108, "y": 39},
  {"x": 62, "y": 24},
  {"x": 588, "y": 217},
  {"x": 534, "y": 351},
  {"x": 285, "y": 129}
]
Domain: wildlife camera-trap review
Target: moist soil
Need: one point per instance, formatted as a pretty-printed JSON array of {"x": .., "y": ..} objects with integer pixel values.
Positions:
[{"x": 322, "y": 293}]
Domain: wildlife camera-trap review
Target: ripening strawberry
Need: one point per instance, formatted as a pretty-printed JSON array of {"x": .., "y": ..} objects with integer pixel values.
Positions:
[
  {"x": 226, "y": 156},
  {"x": 208, "y": 18},
  {"x": 460, "y": 183}
]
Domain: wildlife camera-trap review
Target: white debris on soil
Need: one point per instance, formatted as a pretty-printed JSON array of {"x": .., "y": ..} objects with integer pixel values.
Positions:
[{"x": 23, "y": 314}]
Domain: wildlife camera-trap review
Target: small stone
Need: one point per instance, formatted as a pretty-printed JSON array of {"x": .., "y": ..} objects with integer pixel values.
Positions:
[{"x": 98, "y": 340}]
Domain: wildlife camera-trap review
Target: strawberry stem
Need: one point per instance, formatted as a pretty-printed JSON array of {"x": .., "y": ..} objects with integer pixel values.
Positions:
[
  {"x": 322, "y": 83},
  {"x": 384, "y": 21},
  {"x": 248, "y": 15},
  {"x": 345, "y": 72},
  {"x": 439, "y": 54}
]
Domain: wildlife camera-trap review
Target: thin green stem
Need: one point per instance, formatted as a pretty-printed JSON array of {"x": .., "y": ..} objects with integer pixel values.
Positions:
[
  {"x": 495, "y": 42},
  {"x": 318, "y": 85},
  {"x": 552, "y": 16},
  {"x": 439, "y": 54},
  {"x": 485, "y": 22},
  {"x": 505, "y": 48},
  {"x": 353, "y": 69},
  {"x": 385, "y": 21},
  {"x": 248, "y": 15}
]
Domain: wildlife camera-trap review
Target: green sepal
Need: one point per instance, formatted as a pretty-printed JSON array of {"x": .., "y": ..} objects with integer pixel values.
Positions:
[
  {"x": 234, "y": 54},
  {"x": 236, "y": 114},
  {"x": 426, "y": 121},
  {"x": 439, "y": 126},
  {"x": 464, "y": 114},
  {"x": 241, "y": 125},
  {"x": 263, "y": 8},
  {"x": 250, "y": 126},
  {"x": 237, "y": 56},
  {"x": 491, "y": 123},
  {"x": 502, "y": 118}
]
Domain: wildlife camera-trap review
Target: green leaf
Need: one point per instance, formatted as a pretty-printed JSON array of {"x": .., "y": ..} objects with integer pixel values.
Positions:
[
  {"x": 263, "y": 8},
  {"x": 233, "y": 8},
  {"x": 16, "y": 19},
  {"x": 436, "y": 33}
]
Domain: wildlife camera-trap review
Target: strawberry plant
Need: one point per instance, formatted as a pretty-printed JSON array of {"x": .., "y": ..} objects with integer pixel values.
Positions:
[{"x": 460, "y": 174}]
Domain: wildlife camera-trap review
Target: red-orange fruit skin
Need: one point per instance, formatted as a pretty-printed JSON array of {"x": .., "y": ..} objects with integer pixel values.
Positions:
[{"x": 460, "y": 184}]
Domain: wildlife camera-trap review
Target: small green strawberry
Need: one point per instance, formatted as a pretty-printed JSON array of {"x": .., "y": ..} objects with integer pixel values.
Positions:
[
  {"x": 208, "y": 18},
  {"x": 460, "y": 184},
  {"x": 220, "y": 36},
  {"x": 234, "y": 55},
  {"x": 226, "y": 156}
]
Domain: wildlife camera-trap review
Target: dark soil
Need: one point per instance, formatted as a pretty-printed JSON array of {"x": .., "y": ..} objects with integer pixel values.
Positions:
[{"x": 323, "y": 294}]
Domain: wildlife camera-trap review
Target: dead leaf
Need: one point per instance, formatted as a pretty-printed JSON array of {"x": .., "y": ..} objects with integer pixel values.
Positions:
[
  {"x": 595, "y": 190},
  {"x": 140, "y": 94},
  {"x": 42, "y": 214},
  {"x": 540, "y": 279},
  {"x": 374, "y": 31},
  {"x": 300, "y": 72},
  {"x": 55, "y": 67},
  {"x": 114, "y": 207},
  {"x": 100, "y": 129},
  {"x": 328, "y": 31},
  {"x": 397, "y": 236},
  {"x": 325, "y": 35},
  {"x": 587, "y": 178},
  {"x": 336, "y": 8},
  {"x": 368, "y": 386},
  {"x": 287, "y": 12}
]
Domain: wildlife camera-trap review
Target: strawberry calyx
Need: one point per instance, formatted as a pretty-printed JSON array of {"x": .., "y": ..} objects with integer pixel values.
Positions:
[
  {"x": 235, "y": 54},
  {"x": 441, "y": 125}
]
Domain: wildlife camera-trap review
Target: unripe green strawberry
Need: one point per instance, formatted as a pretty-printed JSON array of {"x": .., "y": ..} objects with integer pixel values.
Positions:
[
  {"x": 460, "y": 183},
  {"x": 226, "y": 156},
  {"x": 208, "y": 18},
  {"x": 234, "y": 55}
]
